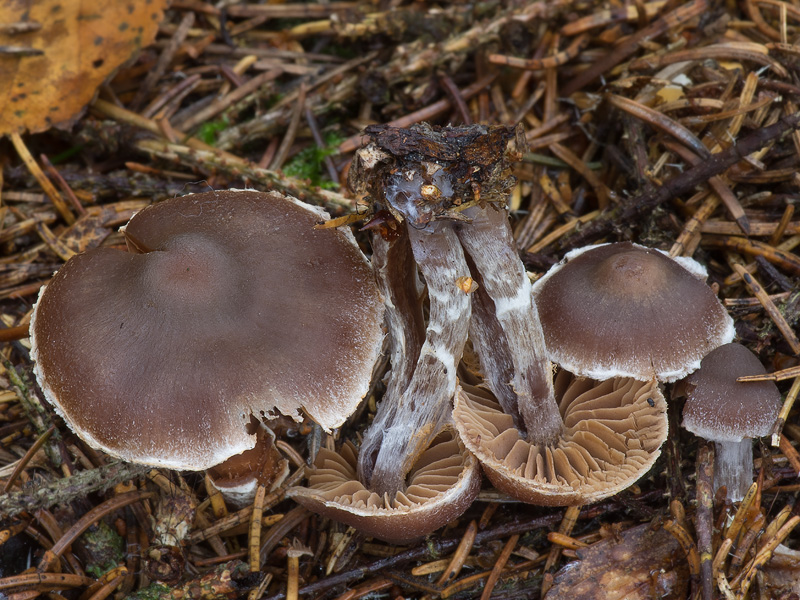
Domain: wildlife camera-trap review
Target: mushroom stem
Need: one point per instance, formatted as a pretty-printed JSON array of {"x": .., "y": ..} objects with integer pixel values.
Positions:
[
  {"x": 733, "y": 467},
  {"x": 489, "y": 243},
  {"x": 408, "y": 422},
  {"x": 396, "y": 275}
]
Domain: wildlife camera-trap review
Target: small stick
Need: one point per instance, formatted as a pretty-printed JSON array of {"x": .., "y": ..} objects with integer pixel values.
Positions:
[
  {"x": 790, "y": 453},
  {"x": 76, "y": 204},
  {"x": 742, "y": 512},
  {"x": 215, "y": 498},
  {"x": 781, "y": 375},
  {"x": 764, "y": 555},
  {"x": 687, "y": 543},
  {"x": 718, "y": 566},
  {"x": 784, "y": 413},
  {"x": 705, "y": 508},
  {"x": 693, "y": 225},
  {"x": 460, "y": 555},
  {"x": 535, "y": 64},
  {"x": 565, "y": 541},
  {"x": 23, "y": 462},
  {"x": 719, "y": 185},
  {"x": 104, "y": 586},
  {"x": 786, "y": 218},
  {"x": 258, "y": 591},
  {"x": 12, "y": 334},
  {"x": 254, "y": 541},
  {"x": 164, "y": 59},
  {"x": 220, "y": 104},
  {"x": 778, "y": 257},
  {"x": 41, "y": 178},
  {"x": 48, "y": 581},
  {"x": 499, "y": 565},
  {"x": 780, "y": 322}
]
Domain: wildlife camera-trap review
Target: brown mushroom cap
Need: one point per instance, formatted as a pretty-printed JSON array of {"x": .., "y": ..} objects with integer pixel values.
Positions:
[
  {"x": 613, "y": 431},
  {"x": 441, "y": 486},
  {"x": 719, "y": 408},
  {"x": 239, "y": 476},
  {"x": 229, "y": 304},
  {"x": 623, "y": 310}
]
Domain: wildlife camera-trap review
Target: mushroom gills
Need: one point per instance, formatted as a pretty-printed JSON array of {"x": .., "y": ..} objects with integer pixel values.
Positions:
[
  {"x": 613, "y": 431},
  {"x": 443, "y": 483}
]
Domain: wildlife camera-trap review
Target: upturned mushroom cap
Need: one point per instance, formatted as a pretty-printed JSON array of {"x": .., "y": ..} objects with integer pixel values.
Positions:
[
  {"x": 228, "y": 304},
  {"x": 441, "y": 486},
  {"x": 612, "y": 435},
  {"x": 719, "y": 408},
  {"x": 623, "y": 310}
]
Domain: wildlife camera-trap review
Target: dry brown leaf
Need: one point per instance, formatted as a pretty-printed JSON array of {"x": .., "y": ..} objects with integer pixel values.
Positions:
[{"x": 79, "y": 44}]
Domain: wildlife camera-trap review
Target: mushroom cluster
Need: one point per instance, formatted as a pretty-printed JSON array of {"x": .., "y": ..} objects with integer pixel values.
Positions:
[
  {"x": 625, "y": 316},
  {"x": 438, "y": 198},
  {"x": 227, "y": 306}
]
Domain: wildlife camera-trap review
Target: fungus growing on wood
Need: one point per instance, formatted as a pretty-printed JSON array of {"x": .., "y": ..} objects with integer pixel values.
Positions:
[
  {"x": 623, "y": 310},
  {"x": 228, "y": 304},
  {"x": 731, "y": 413}
]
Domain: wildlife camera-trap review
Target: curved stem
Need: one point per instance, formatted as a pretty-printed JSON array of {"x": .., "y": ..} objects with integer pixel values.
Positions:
[
  {"x": 396, "y": 274},
  {"x": 407, "y": 423},
  {"x": 489, "y": 243}
]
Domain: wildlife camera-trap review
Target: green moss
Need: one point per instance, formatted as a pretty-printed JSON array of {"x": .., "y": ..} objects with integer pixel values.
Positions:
[
  {"x": 207, "y": 132},
  {"x": 105, "y": 548},
  {"x": 155, "y": 591},
  {"x": 309, "y": 163}
]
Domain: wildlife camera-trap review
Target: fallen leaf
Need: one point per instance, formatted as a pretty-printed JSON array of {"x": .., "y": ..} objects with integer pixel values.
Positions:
[{"x": 78, "y": 45}]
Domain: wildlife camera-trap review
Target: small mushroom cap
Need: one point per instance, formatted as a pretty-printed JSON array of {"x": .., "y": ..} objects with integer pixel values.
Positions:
[
  {"x": 613, "y": 432},
  {"x": 239, "y": 476},
  {"x": 441, "y": 486},
  {"x": 230, "y": 304},
  {"x": 623, "y": 310},
  {"x": 721, "y": 409}
]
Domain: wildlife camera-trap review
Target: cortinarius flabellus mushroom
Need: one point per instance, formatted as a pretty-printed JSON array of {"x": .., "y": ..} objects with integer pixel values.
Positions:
[
  {"x": 228, "y": 304},
  {"x": 580, "y": 442},
  {"x": 730, "y": 413},
  {"x": 623, "y": 310}
]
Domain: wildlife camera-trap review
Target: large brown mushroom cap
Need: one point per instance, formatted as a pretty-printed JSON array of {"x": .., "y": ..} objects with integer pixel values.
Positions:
[
  {"x": 719, "y": 408},
  {"x": 612, "y": 435},
  {"x": 229, "y": 304},
  {"x": 441, "y": 486},
  {"x": 623, "y": 310}
]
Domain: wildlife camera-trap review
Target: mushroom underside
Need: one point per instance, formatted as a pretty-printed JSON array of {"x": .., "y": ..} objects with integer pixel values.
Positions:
[
  {"x": 441, "y": 486},
  {"x": 612, "y": 435}
]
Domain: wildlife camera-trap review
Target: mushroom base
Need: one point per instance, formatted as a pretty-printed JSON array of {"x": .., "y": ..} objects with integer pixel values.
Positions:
[
  {"x": 612, "y": 435},
  {"x": 441, "y": 486},
  {"x": 733, "y": 467}
]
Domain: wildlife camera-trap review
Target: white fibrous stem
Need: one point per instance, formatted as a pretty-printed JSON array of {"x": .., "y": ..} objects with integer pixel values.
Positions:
[
  {"x": 733, "y": 467},
  {"x": 396, "y": 274},
  {"x": 408, "y": 422},
  {"x": 507, "y": 334}
]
